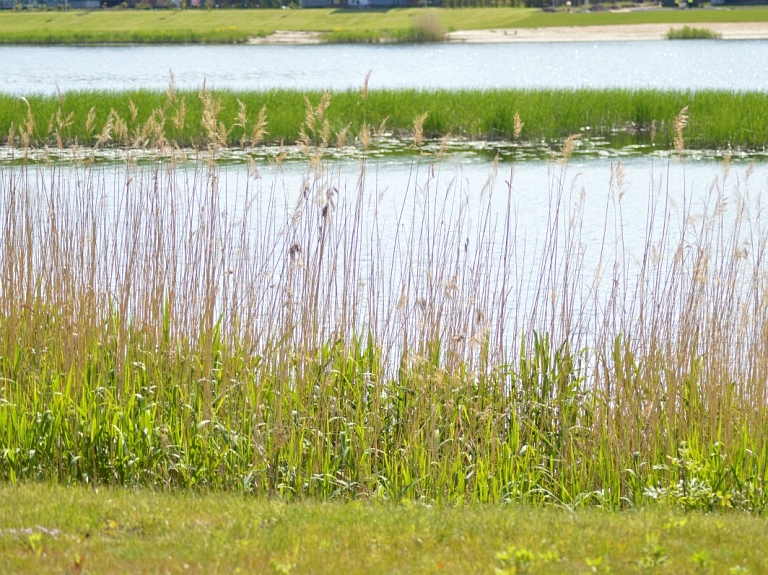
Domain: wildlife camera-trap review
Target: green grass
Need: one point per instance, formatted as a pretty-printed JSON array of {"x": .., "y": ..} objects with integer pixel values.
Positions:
[
  {"x": 72, "y": 530},
  {"x": 225, "y": 26},
  {"x": 717, "y": 118},
  {"x": 689, "y": 33},
  {"x": 180, "y": 336}
]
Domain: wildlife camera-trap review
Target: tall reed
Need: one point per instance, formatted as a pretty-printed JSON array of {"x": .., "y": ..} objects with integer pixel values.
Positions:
[{"x": 161, "y": 326}]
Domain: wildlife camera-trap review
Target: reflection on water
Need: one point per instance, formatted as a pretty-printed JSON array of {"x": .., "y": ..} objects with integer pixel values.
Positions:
[{"x": 648, "y": 64}]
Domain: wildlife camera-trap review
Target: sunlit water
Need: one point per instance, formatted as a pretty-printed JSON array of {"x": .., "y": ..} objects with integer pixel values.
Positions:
[{"x": 694, "y": 65}]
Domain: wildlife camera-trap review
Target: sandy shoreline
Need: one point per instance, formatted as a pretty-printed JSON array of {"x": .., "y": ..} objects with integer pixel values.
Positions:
[{"x": 623, "y": 33}]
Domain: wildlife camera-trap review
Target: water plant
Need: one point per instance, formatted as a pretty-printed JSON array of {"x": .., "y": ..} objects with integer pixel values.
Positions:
[
  {"x": 719, "y": 119},
  {"x": 161, "y": 325}
]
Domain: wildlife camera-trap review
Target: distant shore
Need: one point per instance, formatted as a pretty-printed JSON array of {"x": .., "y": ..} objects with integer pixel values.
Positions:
[
  {"x": 470, "y": 25},
  {"x": 610, "y": 33}
]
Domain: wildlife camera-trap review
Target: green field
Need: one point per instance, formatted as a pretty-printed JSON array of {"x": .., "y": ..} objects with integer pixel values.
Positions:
[
  {"x": 718, "y": 119},
  {"x": 226, "y": 26},
  {"x": 46, "y": 529}
]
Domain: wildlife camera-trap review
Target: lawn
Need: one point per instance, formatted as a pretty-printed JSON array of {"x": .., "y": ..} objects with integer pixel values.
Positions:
[
  {"x": 222, "y": 26},
  {"x": 51, "y": 529}
]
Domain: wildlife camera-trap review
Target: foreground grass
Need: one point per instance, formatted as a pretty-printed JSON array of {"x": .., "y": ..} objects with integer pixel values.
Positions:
[
  {"x": 717, "y": 118},
  {"x": 228, "y": 26},
  {"x": 78, "y": 529}
]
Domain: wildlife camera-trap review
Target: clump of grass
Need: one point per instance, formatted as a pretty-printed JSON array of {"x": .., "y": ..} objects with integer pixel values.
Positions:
[
  {"x": 163, "y": 325},
  {"x": 691, "y": 33}
]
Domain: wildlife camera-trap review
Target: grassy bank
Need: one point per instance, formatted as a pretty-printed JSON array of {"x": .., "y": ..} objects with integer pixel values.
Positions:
[
  {"x": 176, "y": 325},
  {"x": 226, "y": 26},
  {"x": 63, "y": 530},
  {"x": 717, "y": 119}
]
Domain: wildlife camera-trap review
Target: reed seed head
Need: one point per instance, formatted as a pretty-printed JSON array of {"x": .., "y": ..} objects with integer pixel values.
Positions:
[
  {"x": 517, "y": 126},
  {"x": 364, "y": 89},
  {"x": 568, "y": 146},
  {"x": 418, "y": 130}
]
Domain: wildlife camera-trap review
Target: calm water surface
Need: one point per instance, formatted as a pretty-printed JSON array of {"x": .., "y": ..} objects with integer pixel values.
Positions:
[{"x": 730, "y": 65}]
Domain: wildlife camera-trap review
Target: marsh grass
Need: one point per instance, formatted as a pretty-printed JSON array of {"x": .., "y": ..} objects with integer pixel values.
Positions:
[
  {"x": 160, "y": 328},
  {"x": 718, "y": 119},
  {"x": 691, "y": 33}
]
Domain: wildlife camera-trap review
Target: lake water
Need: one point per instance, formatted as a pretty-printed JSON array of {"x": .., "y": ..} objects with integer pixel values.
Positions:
[{"x": 694, "y": 65}]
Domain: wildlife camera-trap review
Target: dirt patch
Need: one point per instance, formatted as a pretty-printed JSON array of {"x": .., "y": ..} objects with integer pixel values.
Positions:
[{"x": 288, "y": 37}]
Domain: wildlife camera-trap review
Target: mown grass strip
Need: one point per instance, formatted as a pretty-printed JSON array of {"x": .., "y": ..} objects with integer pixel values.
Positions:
[
  {"x": 717, "y": 118},
  {"x": 62, "y": 530},
  {"x": 225, "y": 26}
]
